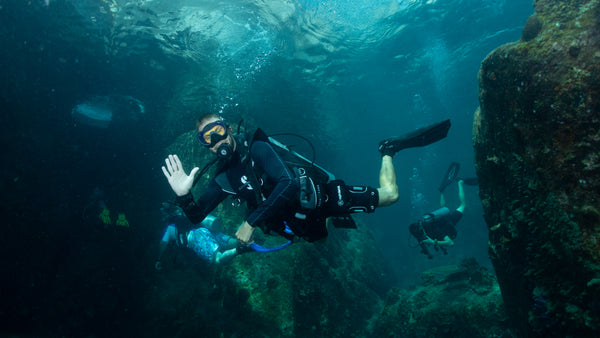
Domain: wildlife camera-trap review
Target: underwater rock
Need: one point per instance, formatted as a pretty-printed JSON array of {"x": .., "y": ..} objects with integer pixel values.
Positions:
[
  {"x": 454, "y": 301},
  {"x": 99, "y": 111},
  {"x": 532, "y": 28},
  {"x": 536, "y": 138}
]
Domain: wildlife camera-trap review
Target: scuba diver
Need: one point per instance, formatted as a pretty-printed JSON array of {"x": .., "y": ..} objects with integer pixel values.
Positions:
[
  {"x": 438, "y": 228},
  {"x": 289, "y": 197},
  {"x": 205, "y": 240}
]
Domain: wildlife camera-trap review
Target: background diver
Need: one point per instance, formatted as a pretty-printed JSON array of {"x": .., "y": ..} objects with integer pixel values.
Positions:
[
  {"x": 438, "y": 228},
  {"x": 279, "y": 194},
  {"x": 205, "y": 239}
]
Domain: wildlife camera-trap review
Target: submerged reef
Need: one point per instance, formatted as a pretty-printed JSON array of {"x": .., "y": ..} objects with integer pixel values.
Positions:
[
  {"x": 453, "y": 301},
  {"x": 537, "y": 151}
]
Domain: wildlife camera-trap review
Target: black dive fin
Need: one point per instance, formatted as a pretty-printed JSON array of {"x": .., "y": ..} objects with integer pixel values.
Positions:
[
  {"x": 449, "y": 176},
  {"x": 471, "y": 181},
  {"x": 418, "y": 138}
]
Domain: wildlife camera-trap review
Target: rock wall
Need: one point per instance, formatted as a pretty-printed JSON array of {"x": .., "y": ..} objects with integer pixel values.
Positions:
[{"x": 537, "y": 153}]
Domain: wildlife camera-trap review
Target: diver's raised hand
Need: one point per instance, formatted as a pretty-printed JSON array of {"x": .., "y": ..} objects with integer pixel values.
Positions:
[{"x": 180, "y": 182}]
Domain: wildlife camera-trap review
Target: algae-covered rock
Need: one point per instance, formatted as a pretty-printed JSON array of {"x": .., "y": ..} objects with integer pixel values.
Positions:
[
  {"x": 453, "y": 301},
  {"x": 537, "y": 153},
  {"x": 308, "y": 289}
]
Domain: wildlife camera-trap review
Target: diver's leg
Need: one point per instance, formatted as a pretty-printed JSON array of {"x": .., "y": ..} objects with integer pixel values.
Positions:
[
  {"x": 461, "y": 197},
  {"x": 388, "y": 189},
  {"x": 169, "y": 236},
  {"x": 225, "y": 256}
]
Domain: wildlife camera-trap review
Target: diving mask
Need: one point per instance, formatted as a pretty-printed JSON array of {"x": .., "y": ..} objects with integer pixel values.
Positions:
[{"x": 213, "y": 133}]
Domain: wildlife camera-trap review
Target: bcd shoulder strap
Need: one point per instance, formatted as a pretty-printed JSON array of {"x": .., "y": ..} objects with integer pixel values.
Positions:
[{"x": 223, "y": 182}]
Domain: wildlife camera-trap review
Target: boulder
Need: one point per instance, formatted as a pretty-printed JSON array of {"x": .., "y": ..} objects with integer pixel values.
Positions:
[
  {"x": 453, "y": 301},
  {"x": 537, "y": 151}
]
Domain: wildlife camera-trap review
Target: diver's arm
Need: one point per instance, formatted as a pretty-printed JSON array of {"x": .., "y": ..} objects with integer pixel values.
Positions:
[
  {"x": 446, "y": 242},
  {"x": 196, "y": 211},
  {"x": 286, "y": 188},
  {"x": 428, "y": 241},
  {"x": 180, "y": 182}
]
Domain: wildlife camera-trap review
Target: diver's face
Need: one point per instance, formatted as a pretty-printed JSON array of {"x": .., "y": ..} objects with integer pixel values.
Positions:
[{"x": 228, "y": 140}]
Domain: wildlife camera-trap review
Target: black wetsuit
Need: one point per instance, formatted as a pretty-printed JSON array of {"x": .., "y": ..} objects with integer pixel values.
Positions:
[
  {"x": 437, "y": 225},
  {"x": 280, "y": 188}
]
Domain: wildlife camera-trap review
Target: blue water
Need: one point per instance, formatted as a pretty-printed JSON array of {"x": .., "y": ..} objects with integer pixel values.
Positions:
[{"x": 345, "y": 74}]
